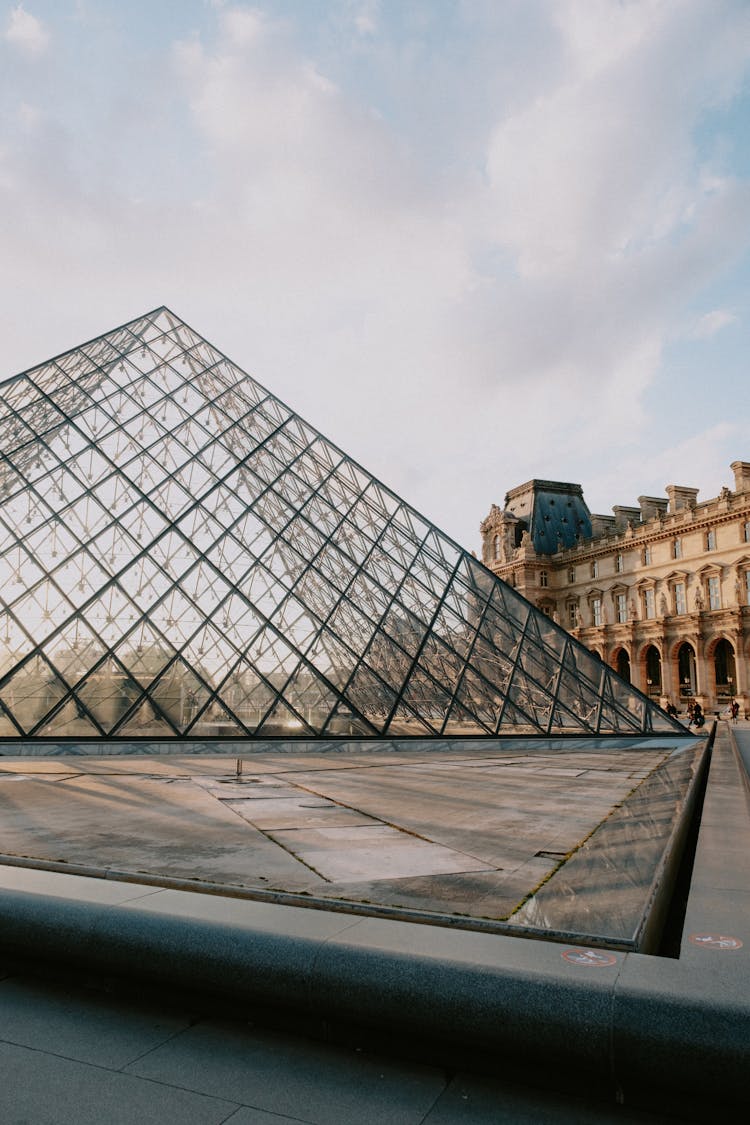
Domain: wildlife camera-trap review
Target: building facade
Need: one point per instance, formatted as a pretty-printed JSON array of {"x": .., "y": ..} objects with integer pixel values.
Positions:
[{"x": 659, "y": 591}]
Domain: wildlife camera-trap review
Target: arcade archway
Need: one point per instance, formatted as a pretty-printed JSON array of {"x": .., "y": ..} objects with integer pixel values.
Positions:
[
  {"x": 652, "y": 664},
  {"x": 725, "y": 675},
  {"x": 686, "y": 670}
]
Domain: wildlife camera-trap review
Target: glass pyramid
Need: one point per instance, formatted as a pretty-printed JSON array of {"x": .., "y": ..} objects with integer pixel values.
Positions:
[{"x": 183, "y": 556}]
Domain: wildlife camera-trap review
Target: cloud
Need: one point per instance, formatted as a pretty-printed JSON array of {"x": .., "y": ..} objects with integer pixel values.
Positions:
[
  {"x": 712, "y": 322},
  {"x": 26, "y": 32},
  {"x": 459, "y": 315}
]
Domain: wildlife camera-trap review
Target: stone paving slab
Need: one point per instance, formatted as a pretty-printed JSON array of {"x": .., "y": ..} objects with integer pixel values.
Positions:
[
  {"x": 375, "y": 851},
  {"x": 276, "y": 1073},
  {"x": 40, "y": 1088},
  {"x": 64, "y": 1021}
]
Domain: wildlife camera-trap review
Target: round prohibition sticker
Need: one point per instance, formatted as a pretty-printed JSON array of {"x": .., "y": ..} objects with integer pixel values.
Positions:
[
  {"x": 723, "y": 942},
  {"x": 589, "y": 958}
]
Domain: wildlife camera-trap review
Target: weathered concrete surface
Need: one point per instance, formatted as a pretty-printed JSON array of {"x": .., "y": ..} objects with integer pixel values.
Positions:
[{"x": 469, "y": 831}]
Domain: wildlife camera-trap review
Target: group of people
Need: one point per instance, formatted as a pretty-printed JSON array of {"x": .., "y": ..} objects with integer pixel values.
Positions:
[{"x": 696, "y": 718}]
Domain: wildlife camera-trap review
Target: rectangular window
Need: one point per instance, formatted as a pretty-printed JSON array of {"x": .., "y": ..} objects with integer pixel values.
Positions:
[
  {"x": 596, "y": 611},
  {"x": 595, "y": 569},
  {"x": 680, "y": 600},
  {"x": 572, "y": 574},
  {"x": 746, "y": 531},
  {"x": 677, "y": 549},
  {"x": 747, "y": 587},
  {"x": 619, "y": 564},
  {"x": 649, "y": 602},
  {"x": 543, "y": 578},
  {"x": 714, "y": 593},
  {"x": 647, "y": 556},
  {"x": 573, "y": 615},
  {"x": 622, "y": 608},
  {"x": 711, "y": 540}
]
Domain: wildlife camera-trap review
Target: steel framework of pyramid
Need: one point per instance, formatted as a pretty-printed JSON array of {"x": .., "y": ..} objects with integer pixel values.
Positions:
[{"x": 183, "y": 556}]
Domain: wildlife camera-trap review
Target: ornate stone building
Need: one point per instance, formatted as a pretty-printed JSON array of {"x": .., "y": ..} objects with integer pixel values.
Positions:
[{"x": 660, "y": 592}]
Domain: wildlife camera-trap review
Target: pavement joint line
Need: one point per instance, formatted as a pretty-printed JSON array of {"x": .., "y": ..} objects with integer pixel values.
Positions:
[{"x": 267, "y": 833}]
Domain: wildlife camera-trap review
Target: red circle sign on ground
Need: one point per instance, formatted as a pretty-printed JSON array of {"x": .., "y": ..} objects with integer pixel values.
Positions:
[
  {"x": 589, "y": 958},
  {"x": 716, "y": 941}
]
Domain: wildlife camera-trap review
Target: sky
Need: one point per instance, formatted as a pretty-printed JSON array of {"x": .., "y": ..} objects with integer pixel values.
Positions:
[{"x": 472, "y": 242}]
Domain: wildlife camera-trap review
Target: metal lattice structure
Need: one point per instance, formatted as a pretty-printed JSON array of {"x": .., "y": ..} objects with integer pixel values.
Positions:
[{"x": 183, "y": 556}]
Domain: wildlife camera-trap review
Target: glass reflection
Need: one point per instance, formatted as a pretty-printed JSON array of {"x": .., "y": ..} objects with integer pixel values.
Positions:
[{"x": 180, "y": 555}]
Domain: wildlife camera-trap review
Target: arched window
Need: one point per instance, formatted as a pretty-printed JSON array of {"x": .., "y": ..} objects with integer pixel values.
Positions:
[
  {"x": 686, "y": 669},
  {"x": 623, "y": 665},
  {"x": 653, "y": 670},
  {"x": 725, "y": 676}
]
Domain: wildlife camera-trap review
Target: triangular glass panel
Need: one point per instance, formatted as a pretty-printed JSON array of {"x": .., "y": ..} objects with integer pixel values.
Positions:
[
  {"x": 31, "y": 692},
  {"x": 406, "y": 723},
  {"x": 285, "y": 722},
  {"x": 146, "y": 723},
  {"x": 108, "y": 693},
  {"x": 310, "y": 698},
  {"x": 179, "y": 694},
  {"x": 215, "y": 722},
  {"x": 343, "y": 723},
  {"x": 74, "y": 651},
  {"x": 368, "y": 695},
  {"x": 247, "y": 695},
  {"x": 70, "y": 721}
]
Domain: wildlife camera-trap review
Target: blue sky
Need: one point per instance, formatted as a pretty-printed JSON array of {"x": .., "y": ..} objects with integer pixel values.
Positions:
[{"x": 473, "y": 242}]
